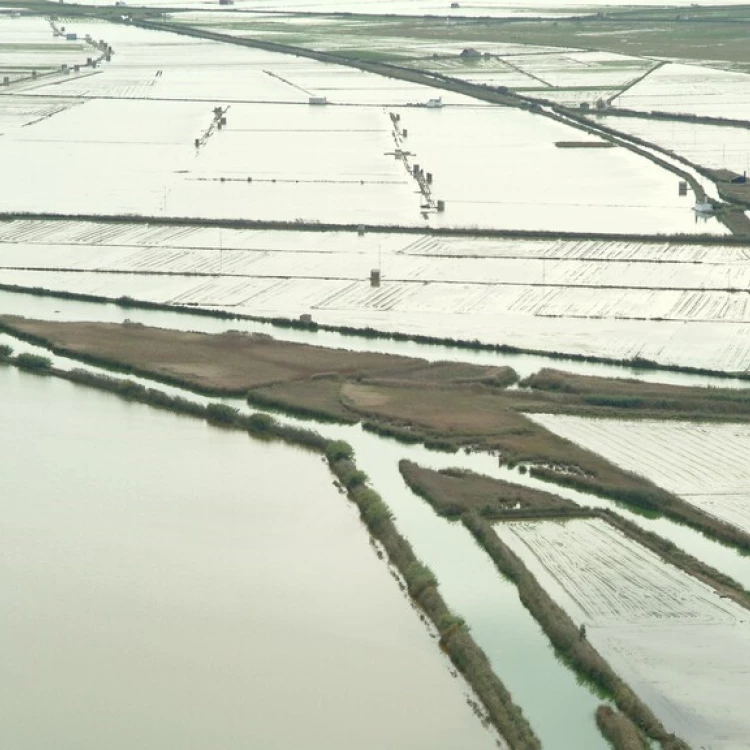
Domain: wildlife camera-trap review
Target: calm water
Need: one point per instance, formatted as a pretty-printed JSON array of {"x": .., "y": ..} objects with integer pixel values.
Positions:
[{"x": 172, "y": 585}]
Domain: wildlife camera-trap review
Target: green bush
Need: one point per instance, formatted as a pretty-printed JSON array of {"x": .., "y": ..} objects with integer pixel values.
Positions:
[
  {"x": 350, "y": 475},
  {"x": 131, "y": 389},
  {"x": 338, "y": 450},
  {"x": 5, "y": 350},
  {"x": 33, "y": 362},
  {"x": 221, "y": 413},
  {"x": 260, "y": 422},
  {"x": 418, "y": 578}
]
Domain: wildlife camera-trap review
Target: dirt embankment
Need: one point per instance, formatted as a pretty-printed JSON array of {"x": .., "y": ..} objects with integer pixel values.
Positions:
[
  {"x": 442, "y": 404},
  {"x": 452, "y": 492}
]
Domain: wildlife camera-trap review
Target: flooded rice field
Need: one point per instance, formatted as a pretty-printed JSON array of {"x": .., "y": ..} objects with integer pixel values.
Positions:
[
  {"x": 671, "y": 637},
  {"x": 673, "y": 302},
  {"x": 707, "y": 465},
  {"x": 144, "y": 129},
  {"x": 182, "y": 581},
  {"x": 691, "y": 89},
  {"x": 712, "y": 146}
]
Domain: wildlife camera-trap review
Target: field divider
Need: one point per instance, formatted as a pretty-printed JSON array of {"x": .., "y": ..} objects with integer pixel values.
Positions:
[{"x": 314, "y": 226}]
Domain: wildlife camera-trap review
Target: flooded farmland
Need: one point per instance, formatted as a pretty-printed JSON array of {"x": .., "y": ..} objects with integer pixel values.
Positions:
[
  {"x": 139, "y": 118},
  {"x": 399, "y": 178},
  {"x": 674, "y": 638}
]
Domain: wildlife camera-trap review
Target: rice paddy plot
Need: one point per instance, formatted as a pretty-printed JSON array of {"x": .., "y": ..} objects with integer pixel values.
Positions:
[
  {"x": 577, "y": 68},
  {"x": 27, "y": 43},
  {"x": 157, "y": 65},
  {"x": 280, "y": 158},
  {"x": 712, "y": 146},
  {"x": 707, "y": 465},
  {"x": 124, "y": 156},
  {"x": 501, "y": 167},
  {"x": 682, "y": 648},
  {"x": 668, "y": 302},
  {"x": 691, "y": 89},
  {"x": 22, "y": 111}
]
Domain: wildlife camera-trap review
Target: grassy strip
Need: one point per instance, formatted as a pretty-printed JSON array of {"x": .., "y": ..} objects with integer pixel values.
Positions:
[
  {"x": 565, "y": 635},
  {"x": 634, "y": 363},
  {"x": 452, "y": 492},
  {"x": 620, "y": 732},
  {"x": 455, "y": 639},
  {"x": 421, "y": 584}
]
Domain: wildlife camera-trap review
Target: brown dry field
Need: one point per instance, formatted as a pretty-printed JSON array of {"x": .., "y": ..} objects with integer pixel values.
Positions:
[
  {"x": 234, "y": 361},
  {"x": 229, "y": 361}
]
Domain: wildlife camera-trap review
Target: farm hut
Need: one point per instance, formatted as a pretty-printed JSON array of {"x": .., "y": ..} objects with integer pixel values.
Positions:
[
  {"x": 470, "y": 53},
  {"x": 740, "y": 179},
  {"x": 434, "y": 103},
  {"x": 375, "y": 277},
  {"x": 317, "y": 100},
  {"x": 72, "y": 37}
]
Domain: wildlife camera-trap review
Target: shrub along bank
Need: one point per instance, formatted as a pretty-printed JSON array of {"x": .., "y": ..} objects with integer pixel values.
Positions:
[{"x": 621, "y": 733}]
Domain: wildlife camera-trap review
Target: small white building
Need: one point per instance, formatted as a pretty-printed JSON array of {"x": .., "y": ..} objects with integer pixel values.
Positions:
[{"x": 434, "y": 103}]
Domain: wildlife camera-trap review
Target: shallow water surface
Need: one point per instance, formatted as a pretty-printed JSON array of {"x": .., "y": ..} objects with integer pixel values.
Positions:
[{"x": 172, "y": 585}]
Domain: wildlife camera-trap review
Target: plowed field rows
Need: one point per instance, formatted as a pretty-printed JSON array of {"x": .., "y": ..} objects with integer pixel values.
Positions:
[
  {"x": 682, "y": 648},
  {"x": 708, "y": 465}
]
